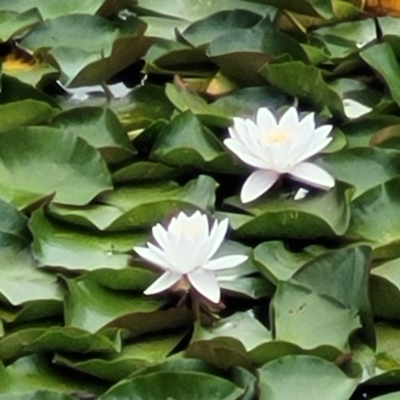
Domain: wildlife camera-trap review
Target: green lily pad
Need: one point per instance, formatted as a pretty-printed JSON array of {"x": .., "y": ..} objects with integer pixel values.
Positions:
[
  {"x": 277, "y": 263},
  {"x": 23, "y": 282},
  {"x": 91, "y": 307},
  {"x": 303, "y": 81},
  {"x": 37, "y": 373},
  {"x": 142, "y": 206},
  {"x": 187, "y": 143},
  {"x": 229, "y": 341},
  {"x": 242, "y": 52},
  {"x": 174, "y": 385},
  {"x": 186, "y": 100},
  {"x": 382, "y": 58},
  {"x": 244, "y": 102},
  {"x": 310, "y": 321},
  {"x": 321, "y": 214},
  {"x": 142, "y": 107},
  {"x": 24, "y": 112},
  {"x": 279, "y": 377},
  {"x": 72, "y": 169},
  {"x": 383, "y": 231},
  {"x": 13, "y": 227},
  {"x": 132, "y": 358},
  {"x": 144, "y": 171},
  {"x": 99, "y": 127},
  {"x": 14, "y": 23},
  {"x": 363, "y": 168},
  {"x": 53, "y": 8},
  {"x": 204, "y": 31},
  {"x": 59, "y": 246},
  {"x": 385, "y": 289},
  {"x": 88, "y": 49},
  {"x": 194, "y": 10},
  {"x": 72, "y": 340}
]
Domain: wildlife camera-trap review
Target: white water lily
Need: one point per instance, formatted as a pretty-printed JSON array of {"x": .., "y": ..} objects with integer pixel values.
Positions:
[
  {"x": 275, "y": 148},
  {"x": 185, "y": 250}
]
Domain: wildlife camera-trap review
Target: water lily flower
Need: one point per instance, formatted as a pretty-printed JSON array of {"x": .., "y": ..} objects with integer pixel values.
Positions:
[
  {"x": 274, "y": 148},
  {"x": 185, "y": 250}
]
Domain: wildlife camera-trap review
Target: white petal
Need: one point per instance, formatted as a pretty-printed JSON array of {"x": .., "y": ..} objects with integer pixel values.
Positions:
[
  {"x": 216, "y": 238},
  {"x": 206, "y": 284},
  {"x": 257, "y": 184},
  {"x": 265, "y": 119},
  {"x": 226, "y": 262},
  {"x": 313, "y": 147},
  {"x": 161, "y": 236},
  {"x": 165, "y": 281},
  {"x": 323, "y": 131},
  {"x": 307, "y": 124},
  {"x": 289, "y": 121},
  {"x": 353, "y": 109},
  {"x": 244, "y": 154},
  {"x": 155, "y": 257},
  {"x": 313, "y": 175}
]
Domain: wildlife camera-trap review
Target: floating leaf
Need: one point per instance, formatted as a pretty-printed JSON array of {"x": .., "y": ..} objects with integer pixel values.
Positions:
[
  {"x": 229, "y": 341},
  {"x": 185, "y": 142},
  {"x": 174, "y": 385},
  {"x": 381, "y": 57},
  {"x": 277, "y": 263},
  {"x": 88, "y": 49},
  {"x": 23, "y": 282},
  {"x": 13, "y": 23},
  {"x": 144, "y": 171},
  {"x": 37, "y": 373},
  {"x": 204, "y": 31},
  {"x": 53, "y": 8},
  {"x": 142, "y": 107},
  {"x": 72, "y": 169},
  {"x": 241, "y": 53},
  {"x": 383, "y": 234},
  {"x": 61, "y": 246},
  {"x": 306, "y": 319},
  {"x": 92, "y": 307},
  {"x": 142, "y": 206},
  {"x": 185, "y": 100},
  {"x": 12, "y": 227},
  {"x": 279, "y": 377},
  {"x": 132, "y": 358},
  {"x": 24, "y": 112},
  {"x": 363, "y": 168},
  {"x": 322, "y": 214},
  {"x": 195, "y": 10},
  {"x": 32, "y": 340},
  {"x": 303, "y": 81}
]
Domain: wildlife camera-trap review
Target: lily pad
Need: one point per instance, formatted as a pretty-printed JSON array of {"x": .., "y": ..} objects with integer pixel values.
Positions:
[
  {"x": 242, "y": 52},
  {"x": 88, "y": 49},
  {"x": 132, "y": 358},
  {"x": 322, "y": 214},
  {"x": 143, "y": 205},
  {"x": 174, "y": 385},
  {"x": 99, "y": 127},
  {"x": 92, "y": 307},
  {"x": 73, "y": 170},
  {"x": 279, "y": 377},
  {"x": 13, "y": 227},
  {"x": 58, "y": 246}
]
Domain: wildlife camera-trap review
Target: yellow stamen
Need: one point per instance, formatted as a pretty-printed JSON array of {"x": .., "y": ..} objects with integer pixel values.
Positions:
[{"x": 278, "y": 136}]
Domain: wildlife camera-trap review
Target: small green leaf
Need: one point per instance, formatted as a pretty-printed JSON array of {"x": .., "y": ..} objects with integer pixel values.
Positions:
[
  {"x": 72, "y": 169},
  {"x": 99, "y": 127},
  {"x": 132, "y": 358},
  {"x": 279, "y": 215},
  {"x": 303, "y": 81},
  {"x": 279, "y": 377},
  {"x": 59, "y": 246},
  {"x": 381, "y": 58},
  {"x": 174, "y": 385}
]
